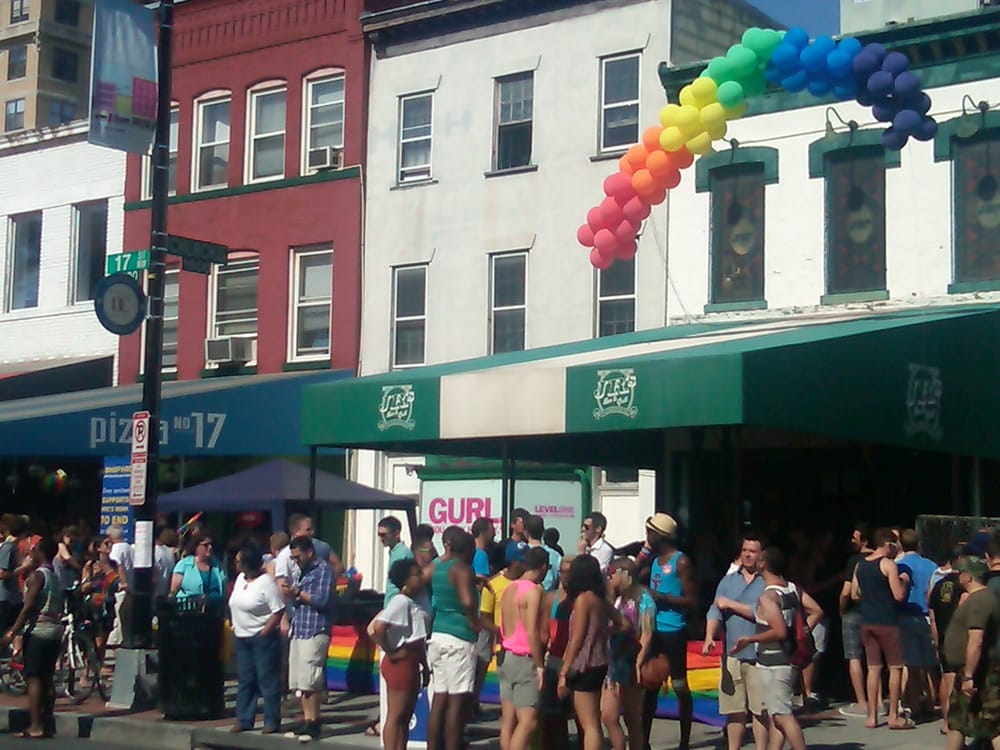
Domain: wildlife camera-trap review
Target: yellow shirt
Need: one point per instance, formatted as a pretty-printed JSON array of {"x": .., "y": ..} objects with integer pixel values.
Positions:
[{"x": 490, "y": 602}]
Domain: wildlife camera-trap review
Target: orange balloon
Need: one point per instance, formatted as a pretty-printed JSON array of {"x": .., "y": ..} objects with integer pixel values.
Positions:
[
  {"x": 682, "y": 159},
  {"x": 651, "y": 138},
  {"x": 657, "y": 197},
  {"x": 659, "y": 164},
  {"x": 643, "y": 183},
  {"x": 637, "y": 156},
  {"x": 625, "y": 167}
]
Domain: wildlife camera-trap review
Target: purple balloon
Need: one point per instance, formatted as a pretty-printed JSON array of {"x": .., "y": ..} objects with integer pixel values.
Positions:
[
  {"x": 877, "y": 50},
  {"x": 863, "y": 97},
  {"x": 926, "y": 130},
  {"x": 893, "y": 140},
  {"x": 923, "y": 106},
  {"x": 883, "y": 111},
  {"x": 906, "y": 84},
  {"x": 895, "y": 63},
  {"x": 864, "y": 64},
  {"x": 907, "y": 121},
  {"x": 880, "y": 84}
]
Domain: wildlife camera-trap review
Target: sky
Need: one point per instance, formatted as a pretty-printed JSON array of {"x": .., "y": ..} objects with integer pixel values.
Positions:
[{"x": 815, "y": 16}]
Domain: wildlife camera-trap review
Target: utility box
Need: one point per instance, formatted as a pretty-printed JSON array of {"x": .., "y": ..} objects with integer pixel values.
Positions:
[{"x": 867, "y": 15}]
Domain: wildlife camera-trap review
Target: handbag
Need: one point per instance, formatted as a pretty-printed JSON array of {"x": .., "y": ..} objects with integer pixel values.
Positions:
[{"x": 654, "y": 672}]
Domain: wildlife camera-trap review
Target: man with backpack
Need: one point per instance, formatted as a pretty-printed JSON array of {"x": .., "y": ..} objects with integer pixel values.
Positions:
[{"x": 784, "y": 615}]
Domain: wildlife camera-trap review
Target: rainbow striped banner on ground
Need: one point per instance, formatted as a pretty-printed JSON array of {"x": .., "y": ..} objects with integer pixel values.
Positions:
[{"x": 352, "y": 666}]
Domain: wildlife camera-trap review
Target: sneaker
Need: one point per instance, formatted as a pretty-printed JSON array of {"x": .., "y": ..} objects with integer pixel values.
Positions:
[
  {"x": 295, "y": 730},
  {"x": 853, "y": 710},
  {"x": 312, "y": 732}
]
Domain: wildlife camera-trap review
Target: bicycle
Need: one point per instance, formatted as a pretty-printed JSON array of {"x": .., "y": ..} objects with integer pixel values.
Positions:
[
  {"x": 79, "y": 669},
  {"x": 12, "y": 674}
]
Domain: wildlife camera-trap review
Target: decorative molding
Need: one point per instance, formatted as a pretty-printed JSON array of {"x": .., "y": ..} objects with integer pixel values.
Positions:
[
  {"x": 818, "y": 150},
  {"x": 715, "y": 160}
]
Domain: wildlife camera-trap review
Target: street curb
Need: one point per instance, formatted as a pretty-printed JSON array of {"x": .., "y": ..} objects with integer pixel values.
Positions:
[
  {"x": 68, "y": 724},
  {"x": 162, "y": 735}
]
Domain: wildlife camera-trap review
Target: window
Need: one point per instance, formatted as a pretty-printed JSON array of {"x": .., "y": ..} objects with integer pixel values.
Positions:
[
  {"x": 513, "y": 117},
  {"x": 738, "y": 233},
  {"x": 311, "y": 299},
  {"x": 855, "y": 201},
  {"x": 171, "y": 310},
  {"x": 68, "y": 12},
  {"x": 19, "y": 10},
  {"x": 147, "y": 161},
  {"x": 91, "y": 248},
  {"x": 619, "y": 102},
  {"x": 324, "y": 120},
  {"x": 236, "y": 298},
  {"x": 212, "y": 144},
  {"x": 267, "y": 135},
  {"x": 25, "y": 257},
  {"x": 64, "y": 64},
  {"x": 409, "y": 301},
  {"x": 60, "y": 112},
  {"x": 17, "y": 62},
  {"x": 14, "y": 115},
  {"x": 977, "y": 207},
  {"x": 507, "y": 306},
  {"x": 415, "y": 137},
  {"x": 616, "y": 298}
]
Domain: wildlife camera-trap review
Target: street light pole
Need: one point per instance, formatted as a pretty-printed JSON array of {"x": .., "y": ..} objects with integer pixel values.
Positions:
[{"x": 141, "y": 636}]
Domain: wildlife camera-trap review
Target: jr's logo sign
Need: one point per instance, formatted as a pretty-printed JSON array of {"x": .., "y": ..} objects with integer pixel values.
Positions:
[
  {"x": 923, "y": 402},
  {"x": 396, "y": 407},
  {"x": 615, "y": 393}
]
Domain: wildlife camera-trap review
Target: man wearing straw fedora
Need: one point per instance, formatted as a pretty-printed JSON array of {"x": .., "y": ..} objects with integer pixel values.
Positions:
[{"x": 672, "y": 586}]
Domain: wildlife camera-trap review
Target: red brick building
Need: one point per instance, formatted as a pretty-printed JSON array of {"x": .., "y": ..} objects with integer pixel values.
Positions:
[{"x": 267, "y": 142}]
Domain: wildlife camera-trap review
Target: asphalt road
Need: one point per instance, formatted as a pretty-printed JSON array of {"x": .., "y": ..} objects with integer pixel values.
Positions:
[{"x": 8, "y": 742}]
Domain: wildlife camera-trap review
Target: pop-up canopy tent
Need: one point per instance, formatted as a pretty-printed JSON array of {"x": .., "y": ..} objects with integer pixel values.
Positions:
[{"x": 274, "y": 485}]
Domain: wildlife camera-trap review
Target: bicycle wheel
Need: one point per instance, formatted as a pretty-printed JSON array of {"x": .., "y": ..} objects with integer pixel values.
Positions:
[{"x": 82, "y": 667}]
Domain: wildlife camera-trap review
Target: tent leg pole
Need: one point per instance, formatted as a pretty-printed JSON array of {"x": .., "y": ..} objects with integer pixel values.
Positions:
[
  {"x": 505, "y": 489},
  {"x": 312, "y": 484}
]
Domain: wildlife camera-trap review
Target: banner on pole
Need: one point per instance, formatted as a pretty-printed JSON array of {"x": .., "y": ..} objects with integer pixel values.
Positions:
[{"x": 123, "y": 80}]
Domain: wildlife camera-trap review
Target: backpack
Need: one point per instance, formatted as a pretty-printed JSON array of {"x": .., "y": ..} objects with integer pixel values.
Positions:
[{"x": 802, "y": 647}]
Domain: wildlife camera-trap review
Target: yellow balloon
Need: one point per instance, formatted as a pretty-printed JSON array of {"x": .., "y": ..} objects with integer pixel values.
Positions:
[
  {"x": 736, "y": 112},
  {"x": 705, "y": 91},
  {"x": 668, "y": 115},
  {"x": 672, "y": 139},
  {"x": 687, "y": 96},
  {"x": 688, "y": 119},
  {"x": 713, "y": 115},
  {"x": 700, "y": 144},
  {"x": 717, "y": 132}
]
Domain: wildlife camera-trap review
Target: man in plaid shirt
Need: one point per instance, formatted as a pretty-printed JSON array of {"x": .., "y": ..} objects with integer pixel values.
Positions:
[{"x": 311, "y": 618}]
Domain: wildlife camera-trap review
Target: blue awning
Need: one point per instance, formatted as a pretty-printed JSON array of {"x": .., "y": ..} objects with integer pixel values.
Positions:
[{"x": 223, "y": 416}]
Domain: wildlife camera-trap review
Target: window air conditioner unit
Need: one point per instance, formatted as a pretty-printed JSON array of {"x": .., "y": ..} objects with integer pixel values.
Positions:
[
  {"x": 326, "y": 157},
  {"x": 230, "y": 349}
]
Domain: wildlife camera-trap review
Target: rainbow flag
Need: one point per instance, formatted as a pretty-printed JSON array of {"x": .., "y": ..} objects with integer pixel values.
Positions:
[{"x": 352, "y": 666}]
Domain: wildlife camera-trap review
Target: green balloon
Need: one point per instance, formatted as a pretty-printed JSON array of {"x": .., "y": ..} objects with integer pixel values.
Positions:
[
  {"x": 743, "y": 59},
  {"x": 754, "y": 85},
  {"x": 731, "y": 94},
  {"x": 719, "y": 70},
  {"x": 755, "y": 40}
]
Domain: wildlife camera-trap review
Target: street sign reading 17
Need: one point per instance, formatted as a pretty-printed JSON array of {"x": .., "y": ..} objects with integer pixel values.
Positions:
[{"x": 137, "y": 260}]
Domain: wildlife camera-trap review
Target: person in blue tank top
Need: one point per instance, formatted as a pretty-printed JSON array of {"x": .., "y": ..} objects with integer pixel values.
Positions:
[{"x": 674, "y": 591}]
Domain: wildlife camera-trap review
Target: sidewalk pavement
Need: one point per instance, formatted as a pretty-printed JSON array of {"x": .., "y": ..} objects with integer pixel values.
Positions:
[{"x": 346, "y": 716}]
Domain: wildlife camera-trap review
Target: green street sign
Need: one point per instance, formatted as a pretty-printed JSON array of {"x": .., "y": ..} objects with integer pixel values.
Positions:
[
  {"x": 133, "y": 262},
  {"x": 196, "y": 265},
  {"x": 185, "y": 247}
]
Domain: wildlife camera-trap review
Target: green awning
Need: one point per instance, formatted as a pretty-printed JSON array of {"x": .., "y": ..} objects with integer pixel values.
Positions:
[{"x": 921, "y": 379}]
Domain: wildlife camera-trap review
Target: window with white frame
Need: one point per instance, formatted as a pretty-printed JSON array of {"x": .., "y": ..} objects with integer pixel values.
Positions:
[
  {"x": 507, "y": 302},
  {"x": 312, "y": 297},
  {"x": 616, "y": 298},
  {"x": 17, "y": 62},
  {"x": 324, "y": 116},
  {"x": 171, "y": 311},
  {"x": 415, "y": 137},
  {"x": 91, "y": 239},
  {"x": 20, "y": 10},
  {"x": 14, "y": 115},
  {"x": 514, "y": 111},
  {"x": 147, "y": 161},
  {"x": 25, "y": 258},
  {"x": 409, "y": 315},
  {"x": 212, "y": 144},
  {"x": 266, "y": 135},
  {"x": 235, "y": 309},
  {"x": 619, "y": 102}
]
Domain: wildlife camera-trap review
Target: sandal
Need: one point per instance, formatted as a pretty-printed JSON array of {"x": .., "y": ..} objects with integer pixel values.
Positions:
[
  {"x": 904, "y": 724},
  {"x": 25, "y": 735},
  {"x": 372, "y": 730}
]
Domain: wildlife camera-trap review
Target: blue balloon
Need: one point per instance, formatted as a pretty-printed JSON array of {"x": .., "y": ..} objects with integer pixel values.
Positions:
[
  {"x": 896, "y": 63},
  {"x": 906, "y": 84},
  {"x": 785, "y": 57},
  {"x": 795, "y": 82},
  {"x": 838, "y": 63},
  {"x": 772, "y": 74},
  {"x": 907, "y": 121},
  {"x": 926, "y": 130},
  {"x": 846, "y": 90},
  {"x": 797, "y": 37},
  {"x": 880, "y": 84},
  {"x": 884, "y": 111},
  {"x": 813, "y": 59},
  {"x": 825, "y": 44},
  {"x": 850, "y": 45},
  {"x": 820, "y": 86},
  {"x": 893, "y": 140}
]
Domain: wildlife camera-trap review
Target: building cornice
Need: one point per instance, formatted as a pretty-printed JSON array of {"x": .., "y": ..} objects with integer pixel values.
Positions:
[{"x": 29, "y": 140}]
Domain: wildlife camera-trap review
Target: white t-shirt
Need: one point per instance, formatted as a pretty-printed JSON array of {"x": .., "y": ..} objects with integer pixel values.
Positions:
[
  {"x": 281, "y": 562},
  {"x": 285, "y": 566},
  {"x": 602, "y": 552},
  {"x": 407, "y": 621},
  {"x": 121, "y": 555},
  {"x": 163, "y": 561},
  {"x": 252, "y": 604}
]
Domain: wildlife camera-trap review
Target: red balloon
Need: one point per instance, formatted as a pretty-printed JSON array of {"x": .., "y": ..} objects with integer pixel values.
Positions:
[
  {"x": 626, "y": 231},
  {"x": 626, "y": 250},
  {"x": 594, "y": 219},
  {"x": 658, "y": 197},
  {"x": 617, "y": 185},
  {"x": 671, "y": 180},
  {"x": 611, "y": 212},
  {"x": 636, "y": 210},
  {"x": 599, "y": 261},
  {"x": 682, "y": 159},
  {"x": 585, "y": 235},
  {"x": 605, "y": 242}
]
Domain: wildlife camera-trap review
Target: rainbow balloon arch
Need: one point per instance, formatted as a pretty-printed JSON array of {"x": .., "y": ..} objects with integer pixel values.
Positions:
[{"x": 870, "y": 75}]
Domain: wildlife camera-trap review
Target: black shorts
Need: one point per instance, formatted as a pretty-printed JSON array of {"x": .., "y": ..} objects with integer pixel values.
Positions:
[
  {"x": 587, "y": 681},
  {"x": 674, "y": 647},
  {"x": 550, "y": 704},
  {"x": 40, "y": 656}
]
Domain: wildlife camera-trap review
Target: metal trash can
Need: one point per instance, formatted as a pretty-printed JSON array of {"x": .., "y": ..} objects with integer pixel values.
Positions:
[{"x": 191, "y": 682}]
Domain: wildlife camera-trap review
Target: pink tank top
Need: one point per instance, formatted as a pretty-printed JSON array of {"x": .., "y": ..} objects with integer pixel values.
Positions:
[{"x": 517, "y": 642}]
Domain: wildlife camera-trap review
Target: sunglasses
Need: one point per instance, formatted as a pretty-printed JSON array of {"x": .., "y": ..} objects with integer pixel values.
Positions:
[{"x": 205, "y": 544}]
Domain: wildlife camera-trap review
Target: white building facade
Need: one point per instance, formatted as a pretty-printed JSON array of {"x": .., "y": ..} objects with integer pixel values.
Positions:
[{"x": 61, "y": 213}]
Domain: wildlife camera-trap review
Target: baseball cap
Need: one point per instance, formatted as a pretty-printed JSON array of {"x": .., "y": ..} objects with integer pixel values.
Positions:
[
  {"x": 515, "y": 551},
  {"x": 976, "y": 566},
  {"x": 980, "y": 542}
]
